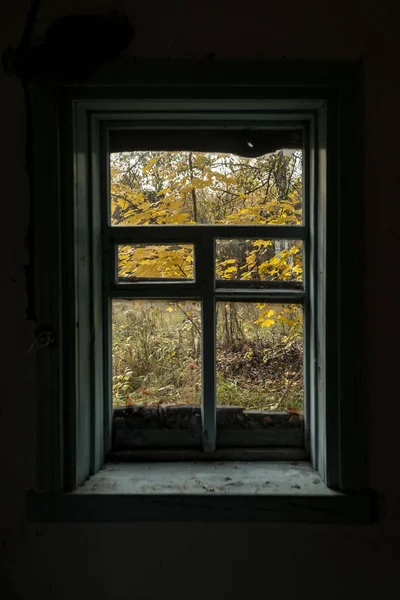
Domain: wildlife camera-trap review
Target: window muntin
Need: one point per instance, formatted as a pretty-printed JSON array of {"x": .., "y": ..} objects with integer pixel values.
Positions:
[{"x": 153, "y": 187}]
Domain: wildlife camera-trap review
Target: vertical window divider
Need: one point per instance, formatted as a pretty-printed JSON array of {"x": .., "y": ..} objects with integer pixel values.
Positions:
[
  {"x": 309, "y": 332},
  {"x": 205, "y": 272},
  {"x": 108, "y": 259}
]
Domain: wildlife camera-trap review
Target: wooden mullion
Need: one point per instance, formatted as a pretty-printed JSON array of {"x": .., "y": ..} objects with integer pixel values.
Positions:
[{"x": 205, "y": 270}]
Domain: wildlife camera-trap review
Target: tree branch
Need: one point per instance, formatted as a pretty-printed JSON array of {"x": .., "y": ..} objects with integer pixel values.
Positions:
[{"x": 194, "y": 198}]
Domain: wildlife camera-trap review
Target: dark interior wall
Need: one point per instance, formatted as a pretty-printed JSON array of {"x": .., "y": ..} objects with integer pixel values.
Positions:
[{"x": 221, "y": 560}]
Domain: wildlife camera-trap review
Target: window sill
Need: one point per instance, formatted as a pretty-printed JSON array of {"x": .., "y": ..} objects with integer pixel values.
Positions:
[{"x": 219, "y": 491}]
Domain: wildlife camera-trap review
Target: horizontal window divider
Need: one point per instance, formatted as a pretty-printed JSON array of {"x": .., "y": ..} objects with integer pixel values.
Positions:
[
  {"x": 208, "y": 119},
  {"x": 155, "y": 282},
  {"x": 255, "y": 285},
  {"x": 176, "y": 291},
  {"x": 240, "y": 295},
  {"x": 164, "y": 438},
  {"x": 191, "y": 233},
  {"x": 164, "y": 292}
]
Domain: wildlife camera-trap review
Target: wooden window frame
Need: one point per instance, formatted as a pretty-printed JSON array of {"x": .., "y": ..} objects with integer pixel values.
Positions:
[
  {"x": 69, "y": 121},
  {"x": 222, "y": 115}
]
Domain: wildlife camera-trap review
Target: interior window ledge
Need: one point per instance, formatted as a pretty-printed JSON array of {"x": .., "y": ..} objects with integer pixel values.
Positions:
[{"x": 223, "y": 491}]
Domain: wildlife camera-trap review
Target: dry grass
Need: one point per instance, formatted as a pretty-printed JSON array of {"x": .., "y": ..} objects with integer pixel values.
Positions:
[{"x": 157, "y": 358}]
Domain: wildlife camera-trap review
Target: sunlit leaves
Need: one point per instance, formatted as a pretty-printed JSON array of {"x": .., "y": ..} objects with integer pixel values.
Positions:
[
  {"x": 225, "y": 188},
  {"x": 265, "y": 318},
  {"x": 259, "y": 260},
  {"x": 165, "y": 188},
  {"x": 156, "y": 261}
]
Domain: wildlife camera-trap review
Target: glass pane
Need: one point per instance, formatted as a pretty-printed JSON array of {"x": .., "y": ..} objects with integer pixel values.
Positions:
[
  {"x": 259, "y": 260},
  {"x": 151, "y": 187},
  {"x": 259, "y": 358},
  {"x": 138, "y": 262},
  {"x": 156, "y": 356}
]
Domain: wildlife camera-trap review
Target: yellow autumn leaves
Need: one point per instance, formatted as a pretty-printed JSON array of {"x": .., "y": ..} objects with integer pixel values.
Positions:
[
  {"x": 184, "y": 188},
  {"x": 156, "y": 261}
]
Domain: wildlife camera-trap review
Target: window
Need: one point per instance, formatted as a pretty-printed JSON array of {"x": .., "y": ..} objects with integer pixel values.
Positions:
[
  {"x": 207, "y": 294},
  {"x": 192, "y": 209}
]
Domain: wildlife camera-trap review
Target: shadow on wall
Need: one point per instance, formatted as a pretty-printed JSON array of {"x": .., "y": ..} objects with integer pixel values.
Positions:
[{"x": 74, "y": 46}]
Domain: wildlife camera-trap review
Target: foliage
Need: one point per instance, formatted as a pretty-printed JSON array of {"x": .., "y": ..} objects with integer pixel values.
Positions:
[
  {"x": 156, "y": 352},
  {"x": 188, "y": 187},
  {"x": 156, "y": 261},
  {"x": 192, "y": 187},
  {"x": 157, "y": 358}
]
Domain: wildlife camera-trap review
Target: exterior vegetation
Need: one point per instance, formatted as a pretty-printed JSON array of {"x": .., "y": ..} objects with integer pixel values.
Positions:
[{"x": 156, "y": 345}]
